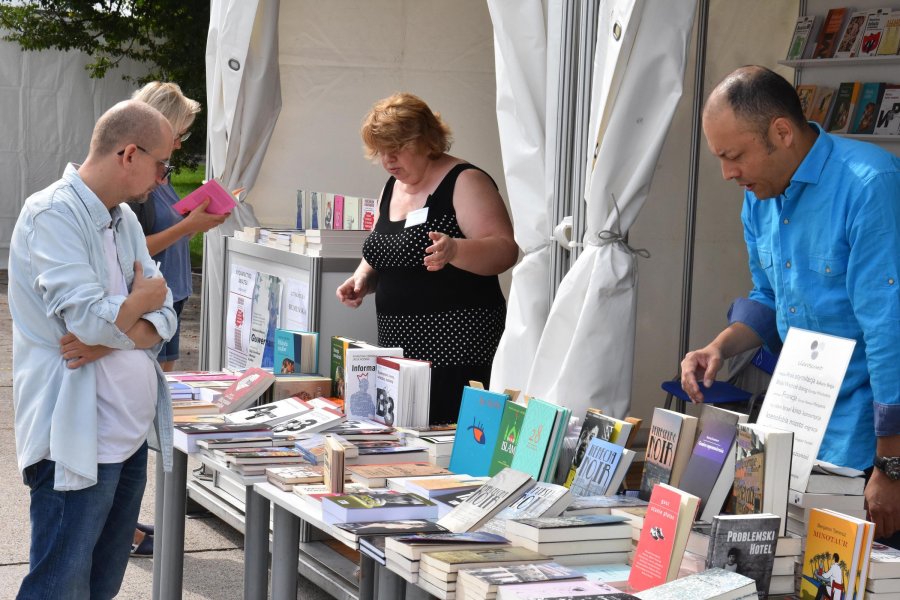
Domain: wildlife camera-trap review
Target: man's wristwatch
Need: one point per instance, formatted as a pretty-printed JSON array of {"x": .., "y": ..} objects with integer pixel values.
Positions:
[{"x": 889, "y": 465}]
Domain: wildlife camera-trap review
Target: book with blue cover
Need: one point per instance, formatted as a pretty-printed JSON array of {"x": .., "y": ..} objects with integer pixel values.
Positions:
[
  {"x": 534, "y": 444},
  {"x": 296, "y": 352},
  {"x": 477, "y": 430}
]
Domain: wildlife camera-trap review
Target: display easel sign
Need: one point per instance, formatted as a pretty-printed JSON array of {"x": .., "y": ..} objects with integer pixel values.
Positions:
[{"x": 803, "y": 391}]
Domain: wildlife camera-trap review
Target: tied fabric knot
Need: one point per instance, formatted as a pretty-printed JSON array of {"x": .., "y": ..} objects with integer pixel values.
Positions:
[{"x": 609, "y": 236}]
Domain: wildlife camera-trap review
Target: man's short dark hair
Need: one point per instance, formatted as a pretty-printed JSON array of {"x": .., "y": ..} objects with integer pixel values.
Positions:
[{"x": 759, "y": 95}]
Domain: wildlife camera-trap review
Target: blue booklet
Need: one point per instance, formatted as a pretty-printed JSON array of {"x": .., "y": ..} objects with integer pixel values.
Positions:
[
  {"x": 296, "y": 352},
  {"x": 477, "y": 428}
]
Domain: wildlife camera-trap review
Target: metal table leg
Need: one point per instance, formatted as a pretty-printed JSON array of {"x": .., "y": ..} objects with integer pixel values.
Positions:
[
  {"x": 171, "y": 558},
  {"x": 366, "y": 577},
  {"x": 256, "y": 546},
  {"x": 159, "y": 530},
  {"x": 390, "y": 585},
  {"x": 285, "y": 554}
]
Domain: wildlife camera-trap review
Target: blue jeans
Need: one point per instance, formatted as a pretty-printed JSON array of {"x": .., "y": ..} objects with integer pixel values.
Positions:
[{"x": 81, "y": 540}]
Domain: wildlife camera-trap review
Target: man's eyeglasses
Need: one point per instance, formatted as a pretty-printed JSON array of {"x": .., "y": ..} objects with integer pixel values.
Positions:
[{"x": 167, "y": 168}]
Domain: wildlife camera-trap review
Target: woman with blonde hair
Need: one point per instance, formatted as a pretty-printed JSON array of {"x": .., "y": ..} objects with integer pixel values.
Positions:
[{"x": 168, "y": 235}]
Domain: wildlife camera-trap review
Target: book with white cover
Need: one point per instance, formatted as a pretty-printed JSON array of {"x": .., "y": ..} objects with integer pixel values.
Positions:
[
  {"x": 315, "y": 420},
  {"x": 411, "y": 547},
  {"x": 714, "y": 584},
  {"x": 270, "y": 414},
  {"x": 402, "y": 391},
  {"x": 494, "y": 495},
  {"x": 481, "y": 582},
  {"x": 559, "y": 529},
  {"x": 542, "y": 500},
  {"x": 359, "y": 379},
  {"x": 572, "y": 590}
]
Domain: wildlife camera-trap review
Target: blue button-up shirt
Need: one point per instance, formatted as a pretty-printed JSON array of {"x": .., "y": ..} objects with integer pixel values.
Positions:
[
  {"x": 56, "y": 285},
  {"x": 825, "y": 256}
]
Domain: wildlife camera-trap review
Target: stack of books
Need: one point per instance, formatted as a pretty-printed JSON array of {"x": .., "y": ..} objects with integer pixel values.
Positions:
[
  {"x": 801, "y": 504},
  {"x": 574, "y": 541},
  {"x": 748, "y": 544},
  {"x": 438, "y": 441},
  {"x": 351, "y": 533},
  {"x": 482, "y": 584},
  {"x": 713, "y": 584},
  {"x": 285, "y": 478},
  {"x": 376, "y": 506},
  {"x": 438, "y": 571},
  {"x": 402, "y": 553},
  {"x": 376, "y": 476},
  {"x": 883, "y": 581},
  {"x": 383, "y": 452},
  {"x": 335, "y": 243},
  {"x": 562, "y": 590},
  {"x": 786, "y": 553},
  {"x": 186, "y": 435}
]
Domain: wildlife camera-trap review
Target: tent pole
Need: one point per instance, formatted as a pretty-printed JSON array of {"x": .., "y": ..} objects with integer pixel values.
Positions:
[
  {"x": 562, "y": 184},
  {"x": 693, "y": 176},
  {"x": 588, "y": 24}
]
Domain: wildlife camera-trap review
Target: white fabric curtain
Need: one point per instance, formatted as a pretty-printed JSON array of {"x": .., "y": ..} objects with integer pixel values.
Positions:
[
  {"x": 526, "y": 56},
  {"x": 243, "y": 103},
  {"x": 586, "y": 352}
]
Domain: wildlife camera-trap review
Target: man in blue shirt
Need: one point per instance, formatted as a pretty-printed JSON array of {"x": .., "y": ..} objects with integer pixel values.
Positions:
[
  {"x": 821, "y": 220},
  {"x": 90, "y": 312}
]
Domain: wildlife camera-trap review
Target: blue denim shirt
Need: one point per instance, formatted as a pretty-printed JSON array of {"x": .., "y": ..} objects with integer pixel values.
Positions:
[
  {"x": 825, "y": 256},
  {"x": 56, "y": 285}
]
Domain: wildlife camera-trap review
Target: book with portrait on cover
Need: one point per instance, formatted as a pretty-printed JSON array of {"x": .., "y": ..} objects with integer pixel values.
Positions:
[{"x": 745, "y": 544}]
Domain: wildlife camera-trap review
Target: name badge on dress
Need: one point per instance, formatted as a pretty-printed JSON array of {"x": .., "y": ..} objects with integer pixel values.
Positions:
[{"x": 416, "y": 217}]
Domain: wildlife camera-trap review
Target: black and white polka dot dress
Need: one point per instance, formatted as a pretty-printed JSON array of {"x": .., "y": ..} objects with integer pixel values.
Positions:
[{"x": 451, "y": 317}]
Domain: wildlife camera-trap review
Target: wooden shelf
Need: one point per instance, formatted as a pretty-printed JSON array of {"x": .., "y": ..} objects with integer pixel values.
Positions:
[
  {"x": 872, "y": 61},
  {"x": 871, "y": 137}
]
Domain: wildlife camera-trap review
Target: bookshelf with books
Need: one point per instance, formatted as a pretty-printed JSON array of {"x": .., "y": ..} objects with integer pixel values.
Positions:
[{"x": 870, "y": 58}]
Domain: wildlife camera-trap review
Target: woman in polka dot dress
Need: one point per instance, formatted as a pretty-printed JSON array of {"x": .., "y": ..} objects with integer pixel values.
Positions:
[{"x": 442, "y": 235}]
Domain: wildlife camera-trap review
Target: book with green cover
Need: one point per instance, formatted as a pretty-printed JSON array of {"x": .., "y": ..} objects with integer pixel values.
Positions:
[
  {"x": 538, "y": 427},
  {"x": 510, "y": 428},
  {"x": 339, "y": 346}
]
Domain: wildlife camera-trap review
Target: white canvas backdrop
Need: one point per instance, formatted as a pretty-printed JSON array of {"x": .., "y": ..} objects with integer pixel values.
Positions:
[{"x": 48, "y": 107}]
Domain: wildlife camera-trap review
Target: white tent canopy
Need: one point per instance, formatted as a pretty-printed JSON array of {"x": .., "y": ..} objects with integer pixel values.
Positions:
[
  {"x": 526, "y": 55},
  {"x": 243, "y": 102}
]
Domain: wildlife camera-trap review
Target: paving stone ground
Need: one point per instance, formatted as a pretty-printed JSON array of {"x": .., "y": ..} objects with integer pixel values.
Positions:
[{"x": 213, "y": 566}]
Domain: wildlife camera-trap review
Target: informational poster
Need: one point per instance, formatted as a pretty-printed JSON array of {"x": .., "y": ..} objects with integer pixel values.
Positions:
[
  {"x": 237, "y": 332},
  {"x": 802, "y": 394},
  {"x": 242, "y": 282},
  {"x": 264, "y": 321},
  {"x": 295, "y": 312}
]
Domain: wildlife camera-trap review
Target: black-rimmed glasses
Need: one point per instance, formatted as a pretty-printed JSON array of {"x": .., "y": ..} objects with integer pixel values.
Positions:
[{"x": 167, "y": 168}]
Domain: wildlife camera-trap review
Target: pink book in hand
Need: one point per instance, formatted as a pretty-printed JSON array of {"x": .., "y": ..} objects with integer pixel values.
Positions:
[{"x": 220, "y": 200}]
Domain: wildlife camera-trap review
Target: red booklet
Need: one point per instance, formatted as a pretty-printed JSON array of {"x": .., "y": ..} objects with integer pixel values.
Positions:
[
  {"x": 664, "y": 534},
  {"x": 220, "y": 200}
]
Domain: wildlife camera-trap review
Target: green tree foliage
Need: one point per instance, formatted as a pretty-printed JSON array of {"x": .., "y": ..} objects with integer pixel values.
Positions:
[{"x": 168, "y": 37}]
